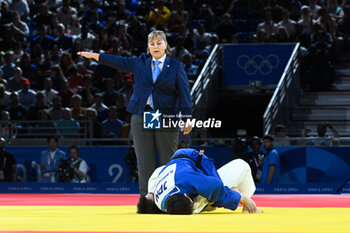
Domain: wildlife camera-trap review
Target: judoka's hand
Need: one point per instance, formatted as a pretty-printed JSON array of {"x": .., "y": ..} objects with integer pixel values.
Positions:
[{"x": 249, "y": 205}]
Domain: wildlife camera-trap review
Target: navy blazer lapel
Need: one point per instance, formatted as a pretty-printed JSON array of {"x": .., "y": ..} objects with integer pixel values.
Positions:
[
  {"x": 165, "y": 68},
  {"x": 149, "y": 69}
]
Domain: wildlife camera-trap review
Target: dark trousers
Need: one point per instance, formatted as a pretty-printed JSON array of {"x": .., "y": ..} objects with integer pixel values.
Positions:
[{"x": 147, "y": 143}]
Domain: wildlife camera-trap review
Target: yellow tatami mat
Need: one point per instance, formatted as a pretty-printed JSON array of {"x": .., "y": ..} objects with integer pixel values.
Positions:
[{"x": 125, "y": 219}]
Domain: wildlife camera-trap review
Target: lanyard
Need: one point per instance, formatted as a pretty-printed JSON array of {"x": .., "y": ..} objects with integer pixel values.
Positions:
[
  {"x": 49, "y": 160},
  {"x": 256, "y": 162}
]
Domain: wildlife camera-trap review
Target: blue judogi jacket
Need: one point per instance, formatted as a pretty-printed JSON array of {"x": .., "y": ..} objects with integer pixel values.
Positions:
[{"x": 181, "y": 175}]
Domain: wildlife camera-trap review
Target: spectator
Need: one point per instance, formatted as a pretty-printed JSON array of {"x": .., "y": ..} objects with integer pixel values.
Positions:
[
  {"x": 66, "y": 62},
  {"x": 159, "y": 15},
  {"x": 226, "y": 30},
  {"x": 321, "y": 68},
  {"x": 67, "y": 127},
  {"x": 85, "y": 37},
  {"x": 57, "y": 78},
  {"x": 280, "y": 136},
  {"x": 282, "y": 35},
  {"x": 115, "y": 47},
  {"x": 112, "y": 127},
  {"x": 268, "y": 26},
  {"x": 48, "y": 93},
  {"x": 74, "y": 27},
  {"x": 334, "y": 10},
  {"x": 295, "y": 10},
  {"x": 6, "y": 127},
  {"x": 87, "y": 91},
  {"x": 306, "y": 22},
  {"x": 314, "y": 9},
  {"x": 6, "y": 13},
  {"x": 95, "y": 26},
  {"x": 343, "y": 28},
  {"x": 56, "y": 111},
  {"x": 8, "y": 171},
  {"x": 78, "y": 112},
  {"x": 276, "y": 10},
  {"x": 94, "y": 127},
  {"x": 100, "y": 107},
  {"x": 21, "y": 6},
  {"x": 45, "y": 41},
  {"x": 65, "y": 13},
  {"x": 75, "y": 79},
  {"x": 271, "y": 165},
  {"x": 19, "y": 28},
  {"x": 321, "y": 138},
  {"x": 66, "y": 94},
  {"x": 4, "y": 97},
  {"x": 7, "y": 68},
  {"x": 126, "y": 91},
  {"x": 33, "y": 111},
  {"x": 36, "y": 53},
  {"x": 201, "y": 38},
  {"x": 18, "y": 51},
  {"x": 15, "y": 82},
  {"x": 131, "y": 161},
  {"x": 110, "y": 95},
  {"x": 43, "y": 17},
  {"x": 190, "y": 69},
  {"x": 255, "y": 158},
  {"x": 288, "y": 23},
  {"x": 17, "y": 111},
  {"x": 179, "y": 15},
  {"x": 179, "y": 51},
  {"x": 92, "y": 6},
  {"x": 26, "y": 95},
  {"x": 87, "y": 67},
  {"x": 214, "y": 39},
  {"x": 203, "y": 134},
  {"x": 29, "y": 70},
  {"x": 79, "y": 165},
  {"x": 64, "y": 41},
  {"x": 183, "y": 144},
  {"x": 326, "y": 22},
  {"x": 50, "y": 160},
  {"x": 45, "y": 127}
]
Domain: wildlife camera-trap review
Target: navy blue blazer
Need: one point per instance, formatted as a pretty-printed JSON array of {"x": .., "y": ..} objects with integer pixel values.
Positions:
[{"x": 170, "y": 92}]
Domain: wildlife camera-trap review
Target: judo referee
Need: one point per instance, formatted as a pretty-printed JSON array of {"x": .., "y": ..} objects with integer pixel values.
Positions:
[{"x": 189, "y": 183}]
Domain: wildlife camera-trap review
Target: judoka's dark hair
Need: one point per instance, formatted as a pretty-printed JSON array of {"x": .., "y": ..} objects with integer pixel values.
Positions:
[
  {"x": 147, "y": 206},
  {"x": 178, "y": 204}
]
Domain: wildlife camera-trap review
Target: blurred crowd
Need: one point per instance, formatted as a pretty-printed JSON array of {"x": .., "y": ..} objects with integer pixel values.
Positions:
[{"x": 42, "y": 78}]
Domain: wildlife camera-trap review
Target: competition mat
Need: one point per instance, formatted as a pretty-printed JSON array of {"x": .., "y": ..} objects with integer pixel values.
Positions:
[{"x": 61, "y": 213}]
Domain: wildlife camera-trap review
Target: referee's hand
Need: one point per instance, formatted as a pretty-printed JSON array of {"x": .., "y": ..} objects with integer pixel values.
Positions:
[{"x": 95, "y": 56}]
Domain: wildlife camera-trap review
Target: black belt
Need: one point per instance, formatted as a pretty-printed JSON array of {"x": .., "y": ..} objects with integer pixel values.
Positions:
[
  {"x": 148, "y": 108},
  {"x": 199, "y": 158}
]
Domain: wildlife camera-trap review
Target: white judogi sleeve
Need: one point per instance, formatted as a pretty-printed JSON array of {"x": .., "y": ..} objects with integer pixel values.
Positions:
[{"x": 153, "y": 180}]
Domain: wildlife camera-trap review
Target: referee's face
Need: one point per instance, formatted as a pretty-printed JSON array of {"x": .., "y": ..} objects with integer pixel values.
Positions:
[{"x": 157, "y": 47}]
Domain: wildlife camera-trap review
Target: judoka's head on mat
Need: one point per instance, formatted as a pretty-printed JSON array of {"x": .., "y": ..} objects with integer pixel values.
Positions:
[{"x": 175, "y": 204}]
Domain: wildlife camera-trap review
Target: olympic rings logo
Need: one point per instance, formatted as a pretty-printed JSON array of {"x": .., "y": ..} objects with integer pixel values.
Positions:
[{"x": 258, "y": 63}]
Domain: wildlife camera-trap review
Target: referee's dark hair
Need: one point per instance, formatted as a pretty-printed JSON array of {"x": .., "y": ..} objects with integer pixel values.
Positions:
[
  {"x": 147, "y": 206},
  {"x": 178, "y": 204}
]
